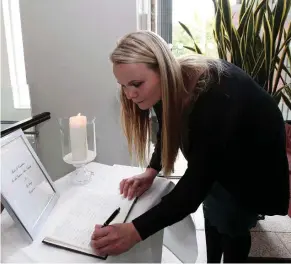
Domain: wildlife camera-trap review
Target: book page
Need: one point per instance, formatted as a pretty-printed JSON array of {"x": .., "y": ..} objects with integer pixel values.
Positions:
[{"x": 80, "y": 214}]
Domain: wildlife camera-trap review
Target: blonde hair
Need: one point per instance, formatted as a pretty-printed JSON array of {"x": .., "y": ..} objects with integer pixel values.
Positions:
[{"x": 149, "y": 48}]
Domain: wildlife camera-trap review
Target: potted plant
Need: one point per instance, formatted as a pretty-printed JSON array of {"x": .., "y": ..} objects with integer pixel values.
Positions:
[{"x": 259, "y": 44}]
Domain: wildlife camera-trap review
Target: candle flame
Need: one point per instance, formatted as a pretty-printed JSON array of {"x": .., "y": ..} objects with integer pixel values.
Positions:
[{"x": 79, "y": 114}]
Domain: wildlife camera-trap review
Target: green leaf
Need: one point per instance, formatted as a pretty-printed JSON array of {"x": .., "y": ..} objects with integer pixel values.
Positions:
[
  {"x": 286, "y": 8},
  {"x": 227, "y": 43},
  {"x": 270, "y": 15},
  {"x": 236, "y": 48},
  {"x": 283, "y": 81},
  {"x": 189, "y": 48},
  {"x": 289, "y": 56},
  {"x": 268, "y": 47},
  {"x": 245, "y": 18},
  {"x": 277, "y": 96},
  {"x": 242, "y": 10},
  {"x": 269, "y": 69},
  {"x": 258, "y": 65},
  {"x": 226, "y": 15},
  {"x": 197, "y": 48},
  {"x": 250, "y": 30},
  {"x": 284, "y": 68},
  {"x": 258, "y": 45},
  {"x": 285, "y": 43},
  {"x": 260, "y": 7},
  {"x": 218, "y": 22},
  {"x": 287, "y": 36},
  {"x": 186, "y": 29},
  {"x": 242, "y": 47},
  {"x": 286, "y": 101},
  {"x": 279, "y": 91},
  {"x": 219, "y": 31},
  {"x": 288, "y": 31},
  {"x": 279, "y": 57},
  {"x": 287, "y": 89},
  {"x": 259, "y": 19},
  {"x": 278, "y": 11},
  {"x": 220, "y": 34},
  {"x": 242, "y": 21},
  {"x": 251, "y": 58},
  {"x": 221, "y": 52}
]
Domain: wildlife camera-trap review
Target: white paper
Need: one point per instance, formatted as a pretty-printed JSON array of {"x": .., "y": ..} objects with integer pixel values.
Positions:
[{"x": 82, "y": 212}]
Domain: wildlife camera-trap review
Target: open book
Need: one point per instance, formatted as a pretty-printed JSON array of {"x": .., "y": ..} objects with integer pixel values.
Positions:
[{"x": 79, "y": 215}]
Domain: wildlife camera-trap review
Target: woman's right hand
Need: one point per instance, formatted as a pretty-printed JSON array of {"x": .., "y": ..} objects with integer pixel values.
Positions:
[{"x": 135, "y": 186}]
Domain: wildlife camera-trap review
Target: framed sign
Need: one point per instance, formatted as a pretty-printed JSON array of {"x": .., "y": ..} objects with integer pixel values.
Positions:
[{"x": 27, "y": 191}]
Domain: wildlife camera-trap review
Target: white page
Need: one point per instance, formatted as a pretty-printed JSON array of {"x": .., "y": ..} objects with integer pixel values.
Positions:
[
  {"x": 76, "y": 223},
  {"x": 108, "y": 179},
  {"x": 23, "y": 183}
]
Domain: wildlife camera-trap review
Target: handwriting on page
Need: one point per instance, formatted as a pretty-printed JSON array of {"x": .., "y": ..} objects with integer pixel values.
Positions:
[
  {"x": 81, "y": 215},
  {"x": 24, "y": 184},
  {"x": 21, "y": 170}
]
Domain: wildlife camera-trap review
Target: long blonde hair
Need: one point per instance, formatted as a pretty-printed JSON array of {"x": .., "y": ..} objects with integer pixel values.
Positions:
[{"x": 149, "y": 48}]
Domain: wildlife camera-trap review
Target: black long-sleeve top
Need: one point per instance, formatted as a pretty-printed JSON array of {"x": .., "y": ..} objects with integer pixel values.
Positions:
[{"x": 233, "y": 134}]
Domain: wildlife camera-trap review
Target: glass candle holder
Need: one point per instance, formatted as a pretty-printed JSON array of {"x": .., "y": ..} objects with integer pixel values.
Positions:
[{"x": 78, "y": 143}]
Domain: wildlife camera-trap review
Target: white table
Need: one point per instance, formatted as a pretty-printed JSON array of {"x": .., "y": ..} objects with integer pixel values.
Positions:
[{"x": 179, "y": 238}]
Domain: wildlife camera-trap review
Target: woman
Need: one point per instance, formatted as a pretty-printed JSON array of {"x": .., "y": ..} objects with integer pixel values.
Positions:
[{"x": 230, "y": 131}]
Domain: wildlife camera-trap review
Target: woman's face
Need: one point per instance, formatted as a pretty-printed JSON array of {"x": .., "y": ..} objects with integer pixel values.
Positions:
[{"x": 139, "y": 83}]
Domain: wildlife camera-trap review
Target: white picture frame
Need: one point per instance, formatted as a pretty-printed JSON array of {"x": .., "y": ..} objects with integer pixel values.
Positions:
[{"x": 27, "y": 191}]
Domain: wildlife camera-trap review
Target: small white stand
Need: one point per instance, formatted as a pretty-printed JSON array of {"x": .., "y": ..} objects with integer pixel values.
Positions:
[{"x": 81, "y": 175}]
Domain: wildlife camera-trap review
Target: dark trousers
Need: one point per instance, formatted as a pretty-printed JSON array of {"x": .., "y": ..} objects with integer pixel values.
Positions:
[{"x": 234, "y": 249}]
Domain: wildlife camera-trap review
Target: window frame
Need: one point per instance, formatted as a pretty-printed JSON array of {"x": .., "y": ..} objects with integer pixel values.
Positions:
[{"x": 15, "y": 53}]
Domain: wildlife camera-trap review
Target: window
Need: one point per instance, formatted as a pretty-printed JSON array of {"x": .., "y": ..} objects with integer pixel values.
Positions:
[
  {"x": 197, "y": 15},
  {"x": 13, "y": 37},
  {"x": 143, "y": 13}
]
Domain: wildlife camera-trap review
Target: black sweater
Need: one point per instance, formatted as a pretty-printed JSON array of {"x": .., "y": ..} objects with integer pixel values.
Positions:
[{"x": 233, "y": 134}]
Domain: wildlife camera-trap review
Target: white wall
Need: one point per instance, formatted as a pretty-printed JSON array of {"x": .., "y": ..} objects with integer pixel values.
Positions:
[
  {"x": 8, "y": 112},
  {"x": 67, "y": 45}
]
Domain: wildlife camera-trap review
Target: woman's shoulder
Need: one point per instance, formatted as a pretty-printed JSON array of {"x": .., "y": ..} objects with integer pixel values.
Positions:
[{"x": 232, "y": 72}]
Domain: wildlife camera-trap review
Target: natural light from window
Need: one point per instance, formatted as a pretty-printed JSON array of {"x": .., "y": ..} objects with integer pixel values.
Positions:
[
  {"x": 13, "y": 37},
  {"x": 198, "y": 16}
]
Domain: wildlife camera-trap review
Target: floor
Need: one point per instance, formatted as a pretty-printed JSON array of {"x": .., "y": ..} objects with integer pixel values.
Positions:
[{"x": 271, "y": 237}]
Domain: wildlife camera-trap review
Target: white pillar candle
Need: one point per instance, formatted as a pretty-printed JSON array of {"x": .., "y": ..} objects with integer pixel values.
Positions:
[{"x": 78, "y": 137}]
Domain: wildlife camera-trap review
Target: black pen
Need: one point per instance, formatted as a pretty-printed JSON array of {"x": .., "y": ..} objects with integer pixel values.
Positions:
[{"x": 111, "y": 217}]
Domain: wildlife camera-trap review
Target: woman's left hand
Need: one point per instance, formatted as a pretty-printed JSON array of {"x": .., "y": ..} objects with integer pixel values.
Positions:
[{"x": 114, "y": 239}]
